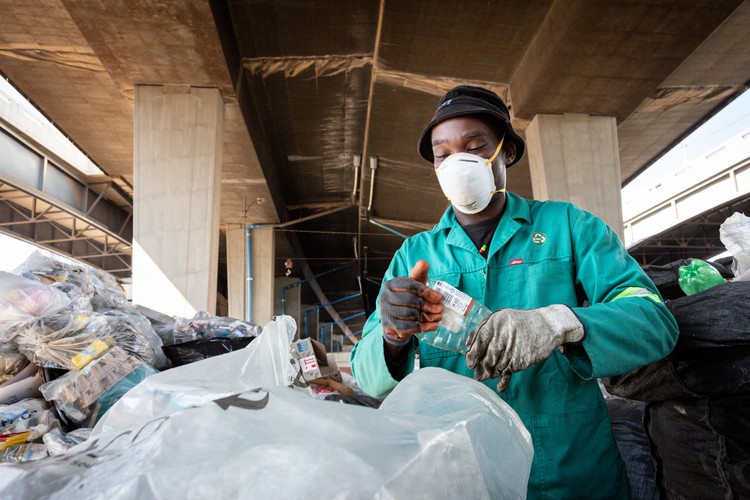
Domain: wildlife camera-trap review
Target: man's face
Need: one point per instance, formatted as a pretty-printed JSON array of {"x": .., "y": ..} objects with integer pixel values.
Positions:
[{"x": 470, "y": 134}]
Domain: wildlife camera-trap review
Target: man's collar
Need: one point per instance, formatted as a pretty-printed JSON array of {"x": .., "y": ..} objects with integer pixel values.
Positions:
[{"x": 515, "y": 208}]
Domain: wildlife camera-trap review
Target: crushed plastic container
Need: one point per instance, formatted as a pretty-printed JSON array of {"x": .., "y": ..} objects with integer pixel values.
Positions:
[{"x": 698, "y": 276}]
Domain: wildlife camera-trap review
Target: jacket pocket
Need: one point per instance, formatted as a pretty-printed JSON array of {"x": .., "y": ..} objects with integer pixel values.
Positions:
[
  {"x": 539, "y": 284},
  {"x": 575, "y": 456}
]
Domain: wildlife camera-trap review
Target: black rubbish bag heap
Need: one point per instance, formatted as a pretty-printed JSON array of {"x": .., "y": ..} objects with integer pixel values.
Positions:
[{"x": 697, "y": 400}]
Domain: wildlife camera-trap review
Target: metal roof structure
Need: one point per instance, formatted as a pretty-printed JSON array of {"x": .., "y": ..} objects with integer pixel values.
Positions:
[{"x": 45, "y": 201}]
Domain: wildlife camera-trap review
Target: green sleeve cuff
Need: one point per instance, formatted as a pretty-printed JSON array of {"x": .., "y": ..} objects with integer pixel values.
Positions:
[
  {"x": 370, "y": 369},
  {"x": 579, "y": 360}
]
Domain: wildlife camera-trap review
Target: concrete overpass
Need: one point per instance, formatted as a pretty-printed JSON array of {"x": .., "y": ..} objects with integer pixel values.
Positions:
[
  {"x": 215, "y": 115},
  {"x": 679, "y": 216}
]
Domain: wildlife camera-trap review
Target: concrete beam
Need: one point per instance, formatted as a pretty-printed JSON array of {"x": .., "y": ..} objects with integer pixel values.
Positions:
[{"x": 542, "y": 50}]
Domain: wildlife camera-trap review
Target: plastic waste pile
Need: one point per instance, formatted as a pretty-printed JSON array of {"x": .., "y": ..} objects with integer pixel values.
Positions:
[
  {"x": 71, "y": 346},
  {"x": 696, "y": 416},
  {"x": 187, "y": 340},
  {"x": 115, "y": 420},
  {"x": 276, "y": 441}
]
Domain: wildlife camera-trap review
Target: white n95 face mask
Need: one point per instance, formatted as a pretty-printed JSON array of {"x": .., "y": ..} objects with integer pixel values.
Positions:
[{"x": 467, "y": 181}]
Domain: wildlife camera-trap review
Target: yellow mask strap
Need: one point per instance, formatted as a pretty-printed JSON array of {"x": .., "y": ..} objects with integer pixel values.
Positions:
[{"x": 488, "y": 163}]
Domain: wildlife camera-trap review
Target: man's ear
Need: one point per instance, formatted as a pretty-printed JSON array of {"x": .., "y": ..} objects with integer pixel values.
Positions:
[{"x": 509, "y": 152}]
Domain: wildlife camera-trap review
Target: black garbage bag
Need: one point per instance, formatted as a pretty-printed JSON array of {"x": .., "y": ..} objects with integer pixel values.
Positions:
[
  {"x": 196, "y": 350},
  {"x": 666, "y": 277},
  {"x": 698, "y": 416},
  {"x": 630, "y": 435},
  {"x": 715, "y": 373},
  {"x": 356, "y": 399},
  {"x": 712, "y": 355},
  {"x": 701, "y": 447},
  {"x": 717, "y": 317}
]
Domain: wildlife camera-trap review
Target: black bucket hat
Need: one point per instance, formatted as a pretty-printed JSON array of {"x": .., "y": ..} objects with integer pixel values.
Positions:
[{"x": 468, "y": 100}]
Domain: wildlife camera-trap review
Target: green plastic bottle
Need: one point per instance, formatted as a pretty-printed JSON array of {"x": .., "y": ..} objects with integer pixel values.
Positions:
[{"x": 698, "y": 276}]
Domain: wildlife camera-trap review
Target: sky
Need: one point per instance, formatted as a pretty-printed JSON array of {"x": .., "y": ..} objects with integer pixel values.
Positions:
[
  {"x": 727, "y": 123},
  {"x": 15, "y": 251}
]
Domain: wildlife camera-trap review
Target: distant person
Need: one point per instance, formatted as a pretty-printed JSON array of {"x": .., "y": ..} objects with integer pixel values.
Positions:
[{"x": 570, "y": 305}]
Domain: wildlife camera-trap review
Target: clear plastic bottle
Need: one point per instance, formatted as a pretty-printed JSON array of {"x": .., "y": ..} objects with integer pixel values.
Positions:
[{"x": 462, "y": 315}]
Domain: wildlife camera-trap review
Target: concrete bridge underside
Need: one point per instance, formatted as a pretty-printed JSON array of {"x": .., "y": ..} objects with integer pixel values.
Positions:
[{"x": 308, "y": 86}]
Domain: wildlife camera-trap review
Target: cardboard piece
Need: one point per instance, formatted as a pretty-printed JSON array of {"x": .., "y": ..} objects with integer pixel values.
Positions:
[{"x": 314, "y": 361}]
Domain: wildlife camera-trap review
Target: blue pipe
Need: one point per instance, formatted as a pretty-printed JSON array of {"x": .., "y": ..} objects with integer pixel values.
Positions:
[
  {"x": 353, "y": 333},
  {"x": 301, "y": 282},
  {"x": 320, "y": 329},
  {"x": 315, "y": 308},
  {"x": 361, "y": 313},
  {"x": 388, "y": 228},
  {"x": 248, "y": 251},
  {"x": 249, "y": 278}
]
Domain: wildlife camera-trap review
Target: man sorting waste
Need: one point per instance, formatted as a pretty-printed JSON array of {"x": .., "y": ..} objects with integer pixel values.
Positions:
[{"x": 566, "y": 303}]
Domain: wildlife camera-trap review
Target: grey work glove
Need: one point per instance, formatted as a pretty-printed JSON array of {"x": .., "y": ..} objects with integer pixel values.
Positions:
[
  {"x": 408, "y": 307},
  {"x": 510, "y": 340}
]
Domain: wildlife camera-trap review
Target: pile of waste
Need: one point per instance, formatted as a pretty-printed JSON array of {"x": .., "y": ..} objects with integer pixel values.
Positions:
[
  {"x": 685, "y": 419},
  {"x": 252, "y": 413},
  {"x": 71, "y": 346}
]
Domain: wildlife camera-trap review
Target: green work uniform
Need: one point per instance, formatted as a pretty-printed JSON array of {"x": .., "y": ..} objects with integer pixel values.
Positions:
[{"x": 545, "y": 253}]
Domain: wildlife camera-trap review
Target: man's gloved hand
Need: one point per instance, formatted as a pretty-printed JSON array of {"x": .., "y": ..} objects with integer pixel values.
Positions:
[
  {"x": 510, "y": 340},
  {"x": 408, "y": 306}
]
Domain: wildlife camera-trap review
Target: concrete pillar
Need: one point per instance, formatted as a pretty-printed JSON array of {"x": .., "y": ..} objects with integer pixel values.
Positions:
[
  {"x": 575, "y": 157},
  {"x": 262, "y": 258},
  {"x": 237, "y": 272},
  {"x": 176, "y": 173}
]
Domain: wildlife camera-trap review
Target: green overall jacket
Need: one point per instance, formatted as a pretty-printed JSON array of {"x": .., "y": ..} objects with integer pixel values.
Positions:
[{"x": 545, "y": 253}]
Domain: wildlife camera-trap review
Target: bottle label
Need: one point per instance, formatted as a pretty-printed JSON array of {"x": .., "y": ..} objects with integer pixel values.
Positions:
[{"x": 453, "y": 298}]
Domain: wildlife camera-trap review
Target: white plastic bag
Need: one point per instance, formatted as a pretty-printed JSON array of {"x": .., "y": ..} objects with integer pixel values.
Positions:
[
  {"x": 92, "y": 287},
  {"x": 265, "y": 362},
  {"x": 459, "y": 441},
  {"x": 734, "y": 232},
  {"x": 228, "y": 427},
  {"x": 22, "y": 299}
]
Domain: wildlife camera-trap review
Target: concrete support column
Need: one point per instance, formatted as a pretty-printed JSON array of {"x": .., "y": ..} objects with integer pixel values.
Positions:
[
  {"x": 262, "y": 258},
  {"x": 575, "y": 157},
  {"x": 237, "y": 272},
  {"x": 176, "y": 172}
]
